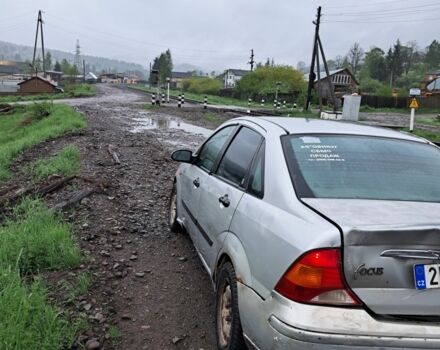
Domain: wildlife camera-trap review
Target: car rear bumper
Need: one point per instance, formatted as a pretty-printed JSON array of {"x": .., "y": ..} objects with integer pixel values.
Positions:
[
  {"x": 278, "y": 323},
  {"x": 288, "y": 337}
]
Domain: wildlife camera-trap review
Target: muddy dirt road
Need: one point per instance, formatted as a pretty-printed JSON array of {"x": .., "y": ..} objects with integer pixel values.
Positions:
[{"x": 148, "y": 282}]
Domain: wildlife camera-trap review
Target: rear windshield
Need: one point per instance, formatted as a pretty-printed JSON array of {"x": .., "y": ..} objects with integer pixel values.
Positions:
[{"x": 362, "y": 167}]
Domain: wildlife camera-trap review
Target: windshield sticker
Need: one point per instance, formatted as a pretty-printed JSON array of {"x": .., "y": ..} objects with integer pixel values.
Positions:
[
  {"x": 310, "y": 139},
  {"x": 323, "y": 153}
]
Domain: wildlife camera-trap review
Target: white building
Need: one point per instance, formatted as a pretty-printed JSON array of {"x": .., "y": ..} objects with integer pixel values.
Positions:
[{"x": 231, "y": 76}]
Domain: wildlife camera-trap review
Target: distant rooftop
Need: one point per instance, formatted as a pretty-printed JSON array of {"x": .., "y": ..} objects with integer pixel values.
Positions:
[
  {"x": 181, "y": 75},
  {"x": 238, "y": 72}
]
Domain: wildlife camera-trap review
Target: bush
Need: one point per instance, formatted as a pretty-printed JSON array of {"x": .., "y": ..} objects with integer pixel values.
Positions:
[
  {"x": 369, "y": 85},
  {"x": 201, "y": 85},
  {"x": 40, "y": 110},
  {"x": 264, "y": 81},
  {"x": 384, "y": 91}
]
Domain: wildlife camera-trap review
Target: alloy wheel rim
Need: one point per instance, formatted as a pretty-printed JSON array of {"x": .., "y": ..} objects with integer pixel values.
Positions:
[{"x": 225, "y": 316}]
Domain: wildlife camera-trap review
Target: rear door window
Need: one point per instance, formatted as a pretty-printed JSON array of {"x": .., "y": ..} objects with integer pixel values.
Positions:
[
  {"x": 211, "y": 149},
  {"x": 256, "y": 175},
  {"x": 238, "y": 157}
]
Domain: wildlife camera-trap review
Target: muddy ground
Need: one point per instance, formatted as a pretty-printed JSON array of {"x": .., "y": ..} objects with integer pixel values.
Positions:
[{"x": 146, "y": 281}]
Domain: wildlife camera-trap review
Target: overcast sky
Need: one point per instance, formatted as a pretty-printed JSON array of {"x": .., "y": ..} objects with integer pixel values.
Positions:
[{"x": 218, "y": 34}]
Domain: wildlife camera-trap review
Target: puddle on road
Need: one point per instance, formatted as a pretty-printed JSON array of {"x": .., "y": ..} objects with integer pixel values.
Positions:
[{"x": 150, "y": 123}]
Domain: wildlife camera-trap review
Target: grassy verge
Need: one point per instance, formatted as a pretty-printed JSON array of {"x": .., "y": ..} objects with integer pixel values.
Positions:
[
  {"x": 32, "y": 240},
  {"x": 24, "y": 128},
  {"x": 77, "y": 90},
  {"x": 429, "y": 135},
  {"x": 429, "y": 121},
  {"x": 66, "y": 163},
  {"x": 369, "y": 109}
]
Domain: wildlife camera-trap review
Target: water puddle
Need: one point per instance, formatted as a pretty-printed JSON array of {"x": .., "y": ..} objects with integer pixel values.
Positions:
[{"x": 162, "y": 123}]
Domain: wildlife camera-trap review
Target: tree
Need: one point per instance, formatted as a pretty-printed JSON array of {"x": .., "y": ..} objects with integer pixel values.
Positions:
[
  {"x": 433, "y": 55},
  {"x": 355, "y": 56},
  {"x": 38, "y": 64},
  {"x": 65, "y": 66},
  {"x": 394, "y": 60},
  {"x": 375, "y": 65},
  {"x": 331, "y": 65},
  {"x": 301, "y": 67},
  {"x": 164, "y": 64},
  {"x": 264, "y": 81},
  {"x": 57, "y": 67},
  {"x": 48, "y": 61},
  {"x": 338, "y": 61},
  {"x": 267, "y": 64},
  {"x": 408, "y": 55}
]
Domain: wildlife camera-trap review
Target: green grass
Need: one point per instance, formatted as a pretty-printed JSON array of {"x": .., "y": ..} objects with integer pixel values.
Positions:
[
  {"x": 34, "y": 239},
  {"x": 73, "y": 291},
  {"x": 429, "y": 135},
  {"x": 31, "y": 240},
  {"x": 16, "y": 137},
  {"x": 429, "y": 121},
  {"x": 27, "y": 321},
  {"x": 66, "y": 163},
  {"x": 369, "y": 109},
  {"x": 115, "y": 334},
  {"x": 77, "y": 90}
]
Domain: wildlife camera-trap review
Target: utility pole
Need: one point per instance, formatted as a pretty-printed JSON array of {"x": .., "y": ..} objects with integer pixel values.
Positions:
[
  {"x": 39, "y": 27},
  {"x": 251, "y": 62},
  {"x": 84, "y": 71},
  {"x": 312, "y": 74},
  {"x": 318, "y": 50},
  {"x": 77, "y": 55}
]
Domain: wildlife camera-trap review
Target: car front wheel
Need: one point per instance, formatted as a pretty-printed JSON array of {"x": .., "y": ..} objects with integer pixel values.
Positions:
[{"x": 228, "y": 325}]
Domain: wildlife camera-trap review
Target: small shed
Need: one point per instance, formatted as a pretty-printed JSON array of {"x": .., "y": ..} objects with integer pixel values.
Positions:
[
  {"x": 343, "y": 82},
  {"x": 177, "y": 78},
  {"x": 37, "y": 85}
]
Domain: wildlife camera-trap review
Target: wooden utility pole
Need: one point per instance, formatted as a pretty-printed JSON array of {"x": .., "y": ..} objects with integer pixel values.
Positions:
[
  {"x": 312, "y": 74},
  {"x": 39, "y": 27},
  {"x": 251, "y": 62},
  {"x": 84, "y": 71},
  {"x": 319, "y": 50}
]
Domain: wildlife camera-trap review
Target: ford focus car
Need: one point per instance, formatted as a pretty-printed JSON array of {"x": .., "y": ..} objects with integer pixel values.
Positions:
[{"x": 316, "y": 234}]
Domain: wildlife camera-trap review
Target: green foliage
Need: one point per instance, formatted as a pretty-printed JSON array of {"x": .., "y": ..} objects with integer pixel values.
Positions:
[
  {"x": 384, "y": 91},
  {"x": 35, "y": 239},
  {"x": 201, "y": 85},
  {"x": 433, "y": 55},
  {"x": 164, "y": 64},
  {"x": 375, "y": 66},
  {"x": 27, "y": 321},
  {"x": 369, "y": 85},
  {"x": 264, "y": 80},
  {"x": 114, "y": 334},
  {"x": 16, "y": 137},
  {"x": 65, "y": 163},
  {"x": 40, "y": 110}
]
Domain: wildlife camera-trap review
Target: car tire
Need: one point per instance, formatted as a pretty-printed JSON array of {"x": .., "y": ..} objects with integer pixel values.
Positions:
[
  {"x": 172, "y": 216},
  {"x": 228, "y": 326}
]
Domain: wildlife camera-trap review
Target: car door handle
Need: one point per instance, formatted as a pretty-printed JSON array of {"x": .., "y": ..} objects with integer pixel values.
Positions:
[
  {"x": 224, "y": 200},
  {"x": 196, "y": 182}
]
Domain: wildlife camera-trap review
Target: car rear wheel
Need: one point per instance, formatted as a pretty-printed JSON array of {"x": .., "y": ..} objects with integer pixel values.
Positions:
[
  {"x": 172, "y": 221},
  {"x": 228, "y": 325}
]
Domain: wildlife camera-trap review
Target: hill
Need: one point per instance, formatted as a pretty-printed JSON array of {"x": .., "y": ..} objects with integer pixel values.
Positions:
[{"x": 14, "y": 52}]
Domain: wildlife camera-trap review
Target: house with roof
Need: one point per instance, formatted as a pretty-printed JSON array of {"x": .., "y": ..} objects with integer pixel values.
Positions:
[
  {"x": 343, "y": 82},
  {"x": 11, "y": 67},
  {"x": 177, "y": 78},
  {"x": 37, "y": 85},
  {"x": 231, "y": 76}
]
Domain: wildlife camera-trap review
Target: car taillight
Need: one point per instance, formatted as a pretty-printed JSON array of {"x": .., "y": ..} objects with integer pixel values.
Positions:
[{"x": 316, "y": 278}]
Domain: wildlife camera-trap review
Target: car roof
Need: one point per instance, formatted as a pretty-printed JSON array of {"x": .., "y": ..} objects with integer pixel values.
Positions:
[{"x": 319, "y": 126}]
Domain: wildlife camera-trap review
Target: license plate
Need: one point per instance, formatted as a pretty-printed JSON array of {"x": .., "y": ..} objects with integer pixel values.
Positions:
[{"x": 427, "y": 276}]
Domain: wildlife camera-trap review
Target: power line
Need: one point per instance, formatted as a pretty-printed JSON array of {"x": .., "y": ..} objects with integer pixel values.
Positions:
[{"x": 385, "y": 11}]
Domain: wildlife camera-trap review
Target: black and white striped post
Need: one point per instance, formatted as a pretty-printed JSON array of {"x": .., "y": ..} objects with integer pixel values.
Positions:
[
  {"x": 205, "y": 102},
  {"x": 163, "y": 98},
  {"x": 294, "y": 106},
  {"x": 249, "y": 106},
  {"x": 278, "y": 105},
  {"x": 179, "y": 101},
  {"x": 284, "y": 104},
  {"x": 274, "y": 104},
  {"x": 183, "y": 99},
  {"x": 262, "y": 102},
  {"x": 153, "y": 98}
]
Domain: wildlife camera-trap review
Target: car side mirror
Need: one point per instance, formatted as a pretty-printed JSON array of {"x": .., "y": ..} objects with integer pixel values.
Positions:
[{"x": 183, "y": 156}]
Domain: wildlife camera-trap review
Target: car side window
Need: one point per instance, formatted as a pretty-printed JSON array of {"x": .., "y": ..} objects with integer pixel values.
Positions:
[
  {"x": 211, "y": 149},
  {"x": 239, "y": 155},
  {"x": 256, "y": 175}
]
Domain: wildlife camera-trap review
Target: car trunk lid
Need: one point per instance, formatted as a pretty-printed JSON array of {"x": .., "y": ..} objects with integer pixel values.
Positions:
[{"x": 382, "y": 241}]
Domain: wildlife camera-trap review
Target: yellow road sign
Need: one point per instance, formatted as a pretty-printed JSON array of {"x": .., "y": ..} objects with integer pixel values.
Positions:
[{"x": 414, "y": 104}]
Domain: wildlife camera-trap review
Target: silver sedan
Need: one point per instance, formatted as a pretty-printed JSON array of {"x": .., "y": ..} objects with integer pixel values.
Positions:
[{"x": 316, "y": 234}]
